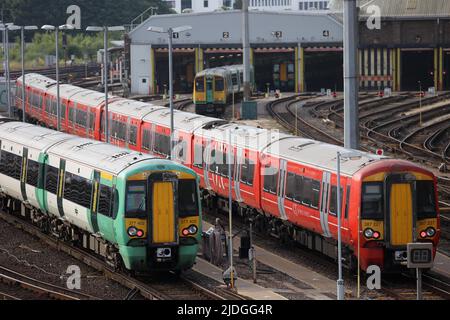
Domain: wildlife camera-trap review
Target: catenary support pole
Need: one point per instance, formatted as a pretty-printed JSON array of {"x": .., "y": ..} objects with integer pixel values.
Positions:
[
  {"x": 246, "y": 49},
  {"x": 351, "y": 40}
]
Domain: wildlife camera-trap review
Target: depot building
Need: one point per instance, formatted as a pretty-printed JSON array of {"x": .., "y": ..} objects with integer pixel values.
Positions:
[{"x": 299, "y": 51}]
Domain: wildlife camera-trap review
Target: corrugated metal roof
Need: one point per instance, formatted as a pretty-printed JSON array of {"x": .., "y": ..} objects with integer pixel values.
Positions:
[{"x": 401, "y": 8}]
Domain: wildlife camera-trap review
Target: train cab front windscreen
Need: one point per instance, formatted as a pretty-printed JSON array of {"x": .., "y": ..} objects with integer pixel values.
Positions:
[{"x": 161, "y": 204}]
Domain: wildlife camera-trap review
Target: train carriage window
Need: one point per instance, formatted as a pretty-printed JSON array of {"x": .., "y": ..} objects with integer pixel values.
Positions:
[
  {"x": 372, "y": 200},
  {"x": 333, "y": 201},
  {"x": 187, "y": 198},
  {"x": 11, "y": 165},
  {"x": 290, "y": 186},
  {"x": 248, "y": 172},
  {"x": 136, "y": 199},
  {"x": 181, "y": 148},
  {"x": 347, "y": 202},
  {"x": 105, "y": 200},
  {"x": 298, "y": 189},
  {"x": 91, "y": 120},
  {"x": 213, "y": 167},
  {"x": 63, "y": 110},
  {"x": 315, "y": 194},
  {"x": 270, "y": 179},
  {"x": 306, "y": 195},
  {"x": 425, "y": 199},
  {"x": 133, "y": 135},
  {"x": 198, "y": 156},
  {"x": 32, "y": 173},
  {"x": 118, "y": 130},
  {"x": 162, "y": 144},
  {"x": 71, "y": 114},
  {"x": 81, "y": 118},
  {"x": 234, "y": 79},
  {"x": 77, "y": 190},
  {"x": 54, "y": 109},
  {"x": 200, "y": 84},
  {"x": 146, "y": 139},
  {"x": 51, "y": 179},
  {"x": 219, "y": 84},
  {"x": 48, "y": 104}
]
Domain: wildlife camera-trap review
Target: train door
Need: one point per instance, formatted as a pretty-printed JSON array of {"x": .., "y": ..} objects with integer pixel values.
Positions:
[
  {"x": 209, "y": 90},
  {"x": 400, "y": 195},
  {"x": 237, "y": 173},
  {"x": 164, "y": 217},
  {"x": 326, "y": 181},
  {"x": 281, "y": 189}
]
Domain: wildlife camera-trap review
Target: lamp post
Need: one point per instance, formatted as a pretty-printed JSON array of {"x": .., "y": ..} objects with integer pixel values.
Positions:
[
  {"x": 6, "y": 28},
  {"x": 105, "y": 31},
  {"x": 22, "y": 52},
  {"x": 340, "y": 281},
  {"x": 58, "y": 100},
  {"x": 170, "y": 34}
]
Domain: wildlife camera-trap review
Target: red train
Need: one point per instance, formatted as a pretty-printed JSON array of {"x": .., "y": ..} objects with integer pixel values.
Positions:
[{"x": 286, "y": 183}]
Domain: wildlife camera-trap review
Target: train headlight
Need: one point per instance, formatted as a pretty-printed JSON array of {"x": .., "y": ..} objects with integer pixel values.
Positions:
[
  {"x": 190, "y": 231},
  {"x": 423, "y": 234},
  {"x": 368, "y": 233},
  {"x": 376, "y": 235},
  {"x": 132, "y": 231},
  {"x": 431, "y": 232},
  {"x": 193, "y": 229}
]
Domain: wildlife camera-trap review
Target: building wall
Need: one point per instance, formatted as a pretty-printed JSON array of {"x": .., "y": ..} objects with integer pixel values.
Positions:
[
  {"x": 200, "y": 5},
  {"x": 141, "y": 68},
  {"x": 294, "y": 5},
  {"x": 272, "y": 5}
]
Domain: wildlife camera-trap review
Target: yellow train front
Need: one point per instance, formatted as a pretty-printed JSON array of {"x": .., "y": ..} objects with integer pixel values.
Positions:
[
  {"x": 215, "y": 88},
  {"x": 398, "y": 205}
]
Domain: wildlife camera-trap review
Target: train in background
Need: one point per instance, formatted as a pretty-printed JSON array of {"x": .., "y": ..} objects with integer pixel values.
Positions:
[
  {"x": 216, "y": 88},
  {"x": 139, "y": 212},
  {"x": 287, "y": 184}
]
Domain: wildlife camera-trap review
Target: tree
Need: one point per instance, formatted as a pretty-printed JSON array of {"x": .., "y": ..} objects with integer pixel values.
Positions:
[{"x": 99, "y": 12}]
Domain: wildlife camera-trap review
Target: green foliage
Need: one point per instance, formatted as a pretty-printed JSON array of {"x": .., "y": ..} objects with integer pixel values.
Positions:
[
  {"x": 43, "y": 44},
  {"x": 53, "y": 12},
  {"x": 93, "y": 12}
]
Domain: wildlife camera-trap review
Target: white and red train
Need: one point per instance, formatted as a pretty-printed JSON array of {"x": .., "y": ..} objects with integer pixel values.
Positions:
[{"x": 286, "y": 183}]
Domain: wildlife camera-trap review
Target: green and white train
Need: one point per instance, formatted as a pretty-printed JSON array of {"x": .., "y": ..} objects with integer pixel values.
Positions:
[{"x": 139, "y": 212}]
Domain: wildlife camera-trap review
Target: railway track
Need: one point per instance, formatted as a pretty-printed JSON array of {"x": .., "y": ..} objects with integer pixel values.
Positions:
[
  {"x": 147, "y": 286},
  {"x": 281, "y": 111},
  {"x": 401, "y": 287},
  {"x": 78, "y": 71},
  {"x": 404, "y": 287},
  {"x": 41, "y": 289}
]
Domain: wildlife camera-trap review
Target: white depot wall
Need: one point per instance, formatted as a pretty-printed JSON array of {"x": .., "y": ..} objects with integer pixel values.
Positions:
[{"x": 141, "y": 69}]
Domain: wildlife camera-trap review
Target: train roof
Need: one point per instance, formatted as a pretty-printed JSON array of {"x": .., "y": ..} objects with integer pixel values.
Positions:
[
  {"x": 95, "y": 154},
  {"x": 319, "y": 154},
  {"x": 184, "y": 121},
  {"x": 221, "y": 70},
  {"x": 132, "y": 108},
  {"x": 38, "y": 81},
  {"x": 79, "y": 95},
  {"x": 31, "y": 136},
  {"x": 243, "y": 136},
  {"x": 103, "y": 156}
]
